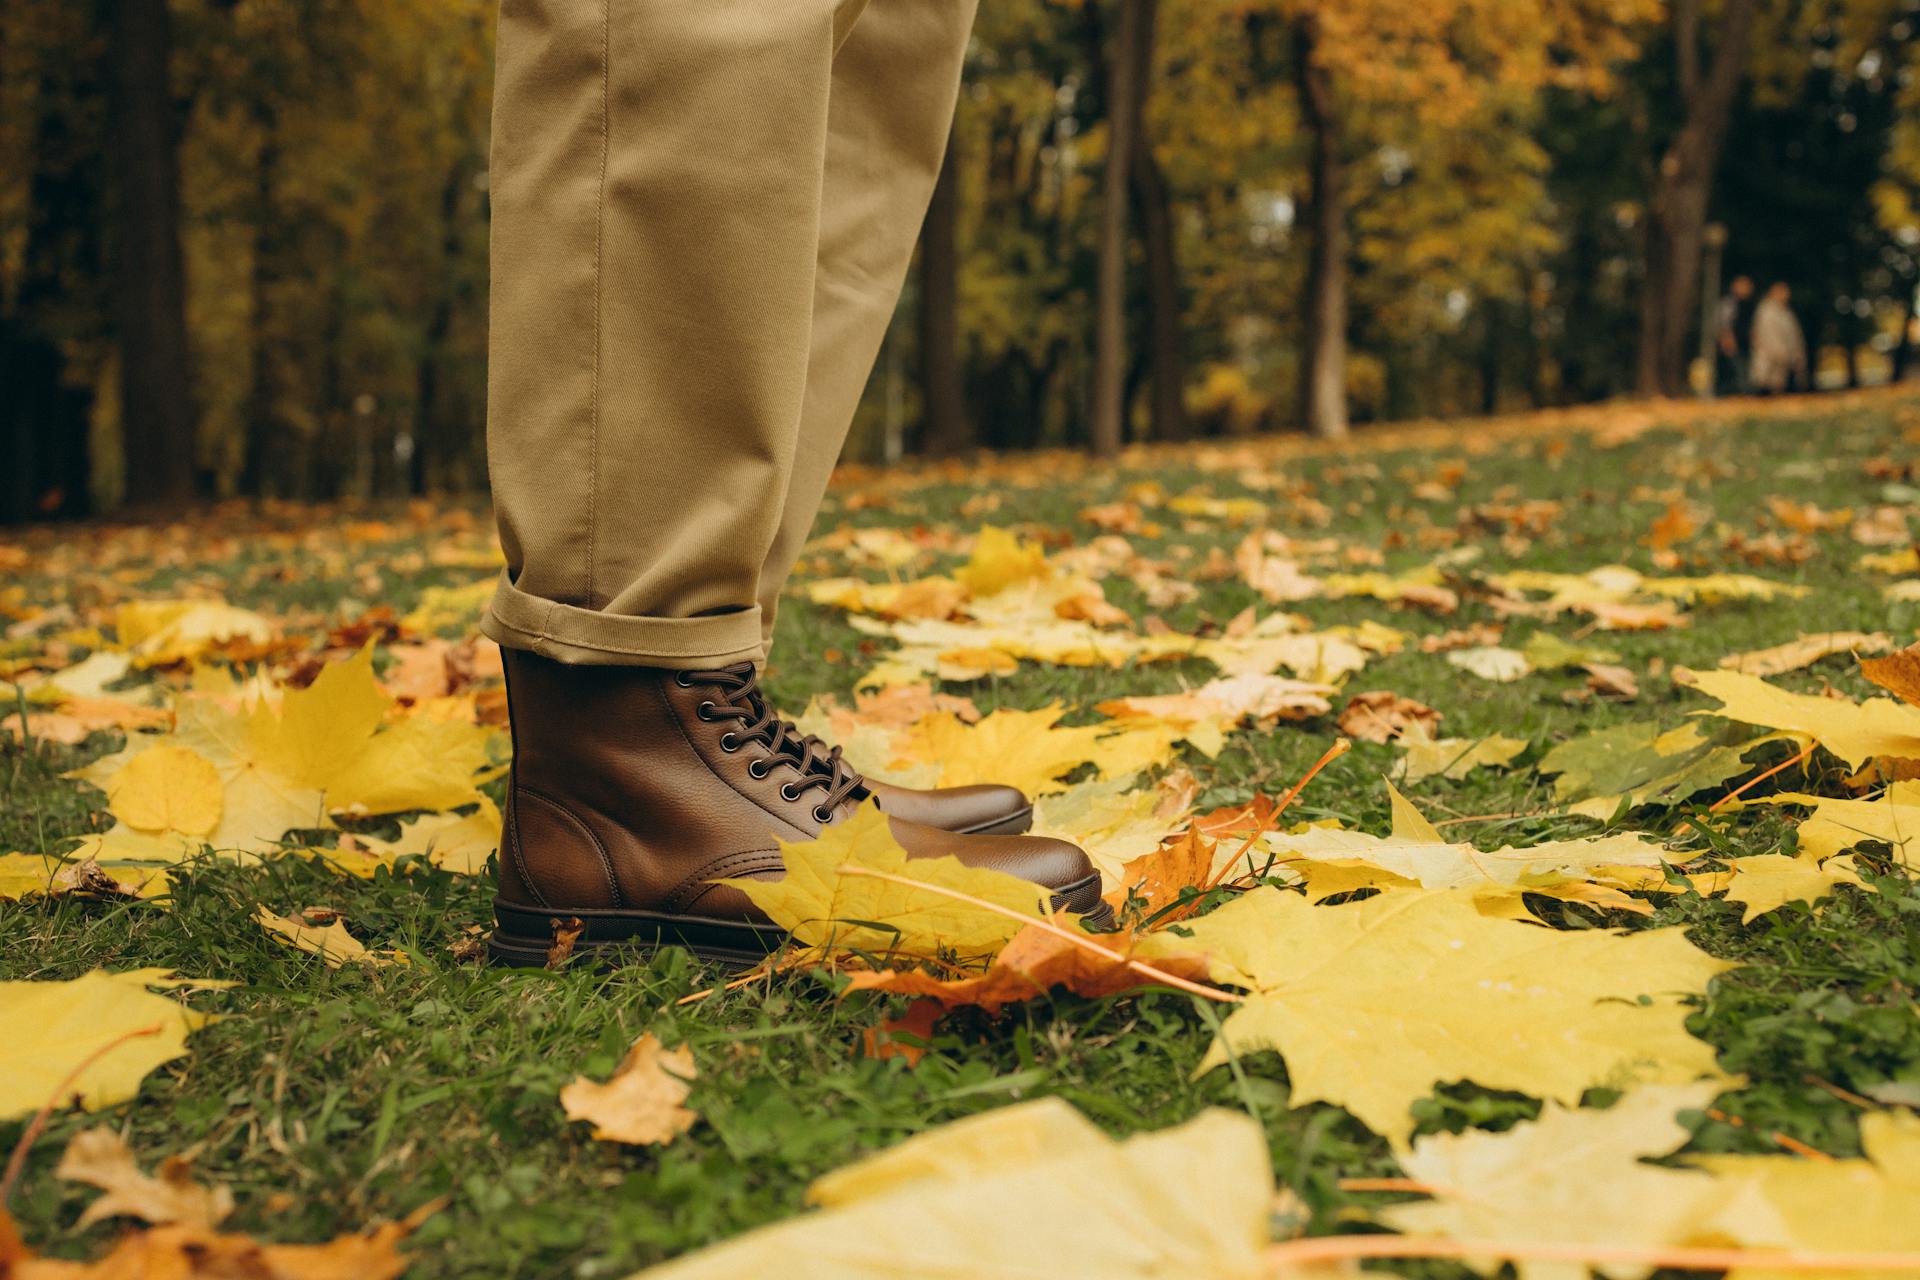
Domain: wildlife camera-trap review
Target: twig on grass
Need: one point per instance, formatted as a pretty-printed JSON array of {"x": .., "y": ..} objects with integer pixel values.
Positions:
[
  {"x": 1750, "y": 783},
  {"x": 1339, "y": 748}
]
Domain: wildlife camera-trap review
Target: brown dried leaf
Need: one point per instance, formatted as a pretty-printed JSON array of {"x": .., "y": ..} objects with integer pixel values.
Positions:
[
  {"x": 1158, "y": 877},
  {"x": 1380, "y": 715},
  {"x": 101, "y": 1158},
  {"x": 1035, "y": 962},
  {"x": 1897, "y": 673},
  {"x": 641, "y": 1103},
  {"x": 566, "y": 932}
]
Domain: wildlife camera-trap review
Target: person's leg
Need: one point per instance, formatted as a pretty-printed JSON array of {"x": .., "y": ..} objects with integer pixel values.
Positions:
[
  {"x": 657, "y": 179},
  {"x": 894, "y": 85},
  {"x": 656, "y": 188}
]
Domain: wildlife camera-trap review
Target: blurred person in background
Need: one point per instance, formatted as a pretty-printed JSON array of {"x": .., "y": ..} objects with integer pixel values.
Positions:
[
  {"x": 1735, "y": 318},
  {"x": 1779, "y": 348},
  {"x": 702, "y": 220}
]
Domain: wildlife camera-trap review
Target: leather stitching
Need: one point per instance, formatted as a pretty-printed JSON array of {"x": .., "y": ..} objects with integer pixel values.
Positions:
[
  {"x": 599, "y": 849},
  {"x": 691, "y": 886},
  {"x": 512, "y": 841}
]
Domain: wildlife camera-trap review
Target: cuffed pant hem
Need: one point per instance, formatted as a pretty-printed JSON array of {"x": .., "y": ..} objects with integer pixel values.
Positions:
[{"x": 568, "y": 633}]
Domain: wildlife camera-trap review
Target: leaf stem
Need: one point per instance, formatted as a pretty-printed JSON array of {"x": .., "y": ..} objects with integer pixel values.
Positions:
[
  {"x": 1080, "y": 940},
  {"x": 1756, "y": 780},
  {"x": 1281, "y": 1258},
  {"x": 36, "y": 1126},
  {"x": 1339, "y": 748}
]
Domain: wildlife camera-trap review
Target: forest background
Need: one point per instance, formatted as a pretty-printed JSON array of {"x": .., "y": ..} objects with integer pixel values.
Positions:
[{"x": 243, "y": 243}]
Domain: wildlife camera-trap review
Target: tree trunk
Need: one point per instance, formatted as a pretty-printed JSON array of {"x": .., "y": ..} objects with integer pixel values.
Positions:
[
  {"x": 1166, "y": 336},
  {"x": 156, "y": 405},
  {"x": 1323, "y": 352},
  {"x": 1107, "y": 425},
  {"x": 1682, "y": 187},
  {"x": 1903, "y": 350},
  {"x": 429, "y": 462},
  {"x": 944, "y": 428},
  {"x": 45, "y": 403},
  {"x": 262, "y": 472}
]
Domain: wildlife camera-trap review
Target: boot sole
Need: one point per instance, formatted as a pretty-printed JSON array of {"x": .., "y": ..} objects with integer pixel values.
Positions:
[{"x": 524, "y": 935}]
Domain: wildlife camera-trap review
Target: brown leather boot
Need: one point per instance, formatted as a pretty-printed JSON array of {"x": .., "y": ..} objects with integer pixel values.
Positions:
[{"x": 634, "y": 788}]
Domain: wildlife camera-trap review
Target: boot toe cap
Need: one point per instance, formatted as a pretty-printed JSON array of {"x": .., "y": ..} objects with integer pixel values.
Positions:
[{"x": 985, "y": 809}]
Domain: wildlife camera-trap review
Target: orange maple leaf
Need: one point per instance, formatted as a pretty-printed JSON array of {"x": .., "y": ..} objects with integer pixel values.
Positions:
[{"x": 1035, "y": 962}]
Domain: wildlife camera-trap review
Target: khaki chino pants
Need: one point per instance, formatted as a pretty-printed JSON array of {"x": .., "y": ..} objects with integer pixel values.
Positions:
[{"x": 703, "y": 212}]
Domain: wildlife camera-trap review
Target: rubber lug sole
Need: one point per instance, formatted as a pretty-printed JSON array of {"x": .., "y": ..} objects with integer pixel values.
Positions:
[{"x": 524, "y": 934}]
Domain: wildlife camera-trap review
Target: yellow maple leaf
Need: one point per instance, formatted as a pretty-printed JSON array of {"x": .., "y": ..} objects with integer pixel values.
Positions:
[
  {"x": 32, "y": 875},
  {"x": 1115, "y": 821},
  {"x": 823, "y": 908},
  {"x": 292, "y": 755},
  {"x": 1839, "y": 825},
  {"x": 168, "y": 788},
  {"x": 1203, "y": 717},
  {"x": 1026, "y": 749},
  {"x": 1000, "y": 560},
  {"x": 1374, "y": 1004},
  {"x": 54, "y": 1027},
  {"x": 1804, "y": 652},
  {"x": 1454, "y": 758},
  {"x": 1842, "y": 1206},
  {"x": 331, "y": 941},
  {"x": 1854, "y": 731},
  {"x": 1492, "y": 662},
  {"x": 460, "y": 843},
  {"x": 643, "y": 1102},
  {"x": 1416, "y": 852},
  {"x": 1570, "y": 1177},
  {"x": 160, "y": 632},
  {"x": 1769, "y": 881},
  {"x": 1191, "y": 1201}
]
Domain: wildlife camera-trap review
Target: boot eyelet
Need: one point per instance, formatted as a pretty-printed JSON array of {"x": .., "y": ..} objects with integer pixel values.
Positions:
[
  {"x": 729, "y": 743},
  {"x": 705, "y": 711},
  {"x": 822, "y": 816},
  {"x": 684, "y": 679},
  {"x": 789, "y": 792},
  {"x": 759, "y": 768}
]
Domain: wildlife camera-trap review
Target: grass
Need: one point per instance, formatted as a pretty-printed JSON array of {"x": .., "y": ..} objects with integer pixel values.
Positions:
[{"x": 331, "y": 1098}]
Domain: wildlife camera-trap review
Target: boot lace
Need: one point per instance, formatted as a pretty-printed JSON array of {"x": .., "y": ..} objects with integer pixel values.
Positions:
[{"x": 737, "y": 698}]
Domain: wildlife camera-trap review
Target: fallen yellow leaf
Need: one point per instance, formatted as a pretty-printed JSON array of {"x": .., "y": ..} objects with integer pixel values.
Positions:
[
  {"x": 822, "y": 908},
  {"x": 1021, "y": 1190},
  {"x": 55, "y": 1027},
  {"x": 1374, "y": 1003}
]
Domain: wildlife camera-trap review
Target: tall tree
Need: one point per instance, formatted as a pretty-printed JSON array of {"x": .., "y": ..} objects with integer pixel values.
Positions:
[
  {"x": 1323, "y": 352},
  {"x": 1683, "y": 183},
  {"x": 1133, "y": 35},
  {"x": 1159, "y": 245},
  {"x": 1367, "y": 65},
  {"x": 150, "y": 311},
  {"x": 944, "y": 428},
  {"x": 53, "y": 333}
]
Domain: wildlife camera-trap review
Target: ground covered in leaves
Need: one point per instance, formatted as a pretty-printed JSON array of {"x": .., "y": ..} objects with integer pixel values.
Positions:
[{"x": 1624, "y": 816}]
